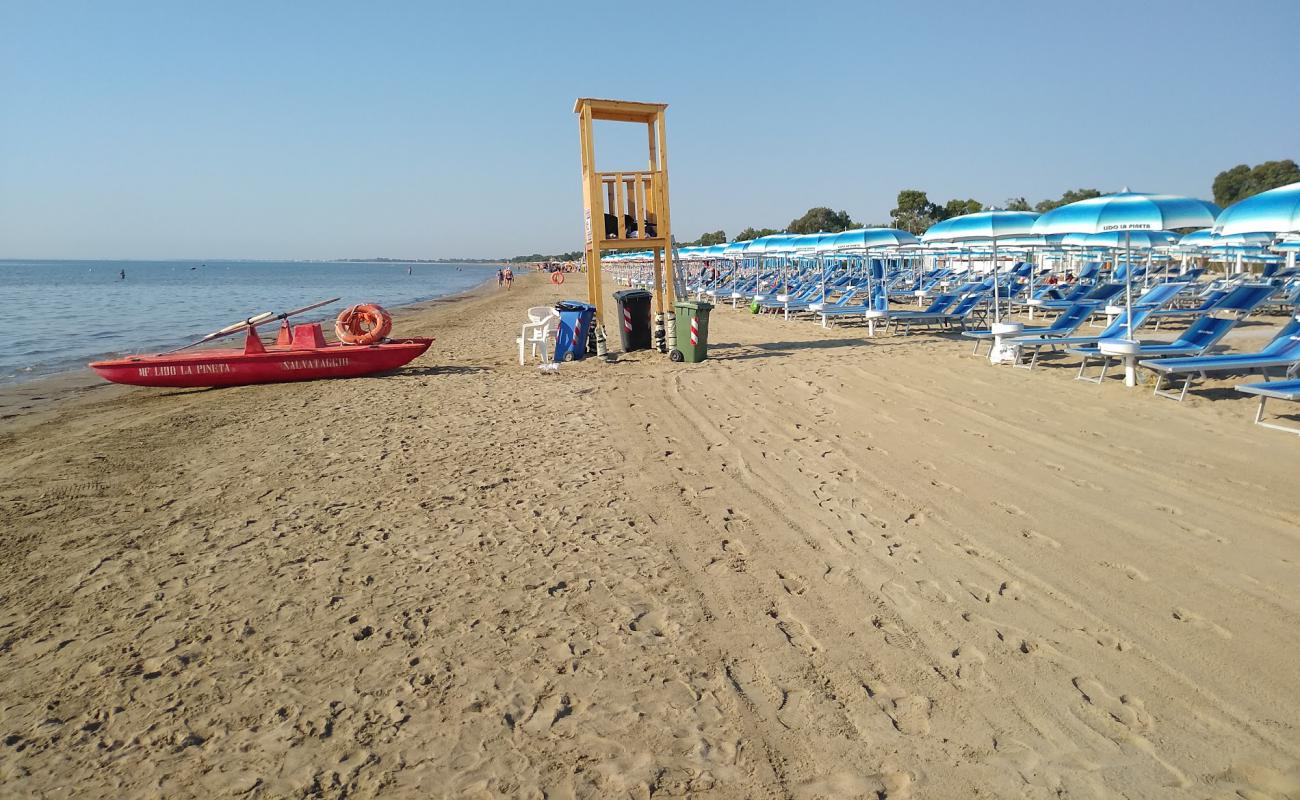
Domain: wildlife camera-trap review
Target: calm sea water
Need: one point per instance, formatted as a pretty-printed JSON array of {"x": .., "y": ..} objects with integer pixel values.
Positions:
[{"x": 60, "y": 315}]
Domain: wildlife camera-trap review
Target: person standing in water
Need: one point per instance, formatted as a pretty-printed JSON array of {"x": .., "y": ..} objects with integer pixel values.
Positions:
[
  {"x": 408, "y": 270},
  {"x": 121, "y": 274}
]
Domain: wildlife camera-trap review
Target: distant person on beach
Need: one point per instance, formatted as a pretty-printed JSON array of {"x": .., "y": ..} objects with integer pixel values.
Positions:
[
  {"x": 510, "y": 278},
  {"x": 501, "y": 278}
]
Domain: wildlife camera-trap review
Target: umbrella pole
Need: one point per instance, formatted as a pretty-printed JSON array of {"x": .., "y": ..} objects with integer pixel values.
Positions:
[
  {"x": 997, "y": 303},
  {"x": 1128, "y": 285},
  {"x": 823, "y": 264},
  {"x": 1033, "y": 260}
]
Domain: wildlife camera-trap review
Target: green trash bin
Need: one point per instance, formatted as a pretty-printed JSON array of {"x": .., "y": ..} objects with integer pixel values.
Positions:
[{"x": 692, "y": 328}]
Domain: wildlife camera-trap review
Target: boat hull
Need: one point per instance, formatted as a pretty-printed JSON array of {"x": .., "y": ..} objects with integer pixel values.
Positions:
[{"x": 203, "y": 368}]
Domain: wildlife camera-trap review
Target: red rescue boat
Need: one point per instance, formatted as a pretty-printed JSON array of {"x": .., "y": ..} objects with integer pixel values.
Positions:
[{"x": 299, "y": 354}]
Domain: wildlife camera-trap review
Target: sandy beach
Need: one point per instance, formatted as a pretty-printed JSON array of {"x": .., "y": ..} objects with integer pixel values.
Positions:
[{"x": 815, "y": 566}]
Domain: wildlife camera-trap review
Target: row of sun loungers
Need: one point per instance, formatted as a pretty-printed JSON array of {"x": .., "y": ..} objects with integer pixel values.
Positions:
[{"x": 1209, "y": 310}]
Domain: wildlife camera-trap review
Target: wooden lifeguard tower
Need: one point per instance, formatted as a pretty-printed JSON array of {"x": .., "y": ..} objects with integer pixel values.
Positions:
[{"x": 626, "y": 210}]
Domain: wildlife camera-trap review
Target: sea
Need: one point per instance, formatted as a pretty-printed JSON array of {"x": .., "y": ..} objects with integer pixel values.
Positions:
[{"x": 60, "y": 315}]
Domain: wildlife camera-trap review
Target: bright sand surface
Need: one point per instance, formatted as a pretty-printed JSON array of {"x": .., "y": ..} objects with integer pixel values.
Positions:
[{"x": 814, "y": 566}]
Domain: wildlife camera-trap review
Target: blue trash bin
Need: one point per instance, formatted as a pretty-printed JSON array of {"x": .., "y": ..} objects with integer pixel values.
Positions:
[{"x": 575, "y": 324}]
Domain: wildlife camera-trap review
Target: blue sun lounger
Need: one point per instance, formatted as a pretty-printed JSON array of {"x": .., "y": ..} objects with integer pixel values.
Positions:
[
  {"x": 939, "y": 305},
  {"x": 1102, "y": 293},
  {"x": 816, "y": 306},
  {"x": 1282, "y": 352},
  {"x": 1200, "y": 336},
  {"x": 1064, "y": 325},
  {"x": 1281, "y": 390},
  {"x": 1239, "y": 301},
  {"x": 879, "y": 302},
  {"x": 1118, "y": 329},
  {"x": 968, "y": 306}
]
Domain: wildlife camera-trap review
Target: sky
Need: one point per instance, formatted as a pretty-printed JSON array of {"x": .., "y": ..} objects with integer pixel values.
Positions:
[{"x": 161, "y": 130}]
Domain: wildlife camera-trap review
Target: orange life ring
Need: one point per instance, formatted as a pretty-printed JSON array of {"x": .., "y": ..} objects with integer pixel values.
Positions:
[
  {"x": 557, "y": 278},
  {"x": 363, "y": 324}
]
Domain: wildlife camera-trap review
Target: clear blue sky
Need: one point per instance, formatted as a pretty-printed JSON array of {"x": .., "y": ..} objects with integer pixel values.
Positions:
[{"x": 424, "y": 129}]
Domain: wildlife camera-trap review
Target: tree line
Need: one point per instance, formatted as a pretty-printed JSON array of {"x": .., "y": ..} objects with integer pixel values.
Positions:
[{"x": 915, "y": 212}]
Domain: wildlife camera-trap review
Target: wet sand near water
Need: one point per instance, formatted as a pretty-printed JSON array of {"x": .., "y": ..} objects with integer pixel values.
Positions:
[{"x": 814, "y": 566}]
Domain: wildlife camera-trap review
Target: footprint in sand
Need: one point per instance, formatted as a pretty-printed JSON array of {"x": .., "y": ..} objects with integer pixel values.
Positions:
[
  {"x": 933, "y": 592},
  {"x": 735, "y": 555},
  {"x": 895, "y": 635},
  {"x": 547, "y": 712},
  {"x": 909, "y": 713},
  {"x": 1127, "y": 710},
  {"x": 655, "y": 623},
  {"x": 1013, "y": 510},
  {"x": 811, "y": 712},
  {"x": 792, "y": 583},
  {"x": 837, "y": 576},
  {"x": 795, "y": 632},
  {"x": 1197, "y": 621},
  {"x": 733, "y": 520},
  {"x": 969, "y": 668}
]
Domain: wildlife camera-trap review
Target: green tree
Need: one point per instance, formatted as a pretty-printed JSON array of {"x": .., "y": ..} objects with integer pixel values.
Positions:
[
  {"x": 754, "y": 233},
  {"x": 956, "y": 208},
  {"x": 1017, "y": 204},
  {"x": 914, "y": 212},
  {"x": 706, "y": 239},
  {"x": 1231, "y": 185},
  {"x": 1242, "y": 181},
  {"x": 1272, "y": 174},
  {"x": 821, "y": 220},
  {"x": 1070, "y": 196}
]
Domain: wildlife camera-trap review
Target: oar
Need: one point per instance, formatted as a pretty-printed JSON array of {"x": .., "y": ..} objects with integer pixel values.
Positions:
[
  {"x": 305, "y": 309},
  {"x": 265, "y": 316}
]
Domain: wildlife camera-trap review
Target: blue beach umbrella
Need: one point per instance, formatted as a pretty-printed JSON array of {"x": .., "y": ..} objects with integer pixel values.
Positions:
[
  {"x": 1113, "y": 240},
  {"x": 984, "y": 226},
  {"x": 870, "y": 238},
  {"x": 1274, "y": 211},
  {"x": 1206, "y": 242},
  {"x": 1206, "y": 238},
  {"x": 1128, "y": 212},
  {"x": 864, "y": 240}
]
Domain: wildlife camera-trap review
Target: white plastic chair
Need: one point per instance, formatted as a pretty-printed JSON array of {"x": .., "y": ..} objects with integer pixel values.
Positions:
[{"x": 539, "y": 333}]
